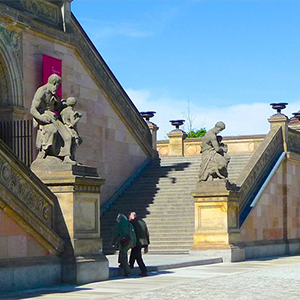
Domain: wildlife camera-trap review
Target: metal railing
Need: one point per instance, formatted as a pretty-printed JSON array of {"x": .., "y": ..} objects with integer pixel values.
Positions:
[{"x": 18, "y": 136}]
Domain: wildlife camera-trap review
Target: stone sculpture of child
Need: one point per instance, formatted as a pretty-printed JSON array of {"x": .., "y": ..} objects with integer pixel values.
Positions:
[{"x": 70, "y": 118}]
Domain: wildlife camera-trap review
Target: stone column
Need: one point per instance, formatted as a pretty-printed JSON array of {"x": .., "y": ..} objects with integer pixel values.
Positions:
[
  {"x": 217, "y": 221},
  {"x": 78, "y": 192},
  {"x": 176, "y": 138}
]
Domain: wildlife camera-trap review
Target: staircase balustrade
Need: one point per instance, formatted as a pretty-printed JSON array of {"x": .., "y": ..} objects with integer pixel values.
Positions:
[
  {"x": 256, "y": 171},
  {"x": 23, "y": 195}
]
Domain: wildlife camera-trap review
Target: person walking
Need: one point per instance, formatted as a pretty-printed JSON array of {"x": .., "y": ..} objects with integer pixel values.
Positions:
[
  {"x": 142, "y": 241},
  {"x": 124, "y": 238}
]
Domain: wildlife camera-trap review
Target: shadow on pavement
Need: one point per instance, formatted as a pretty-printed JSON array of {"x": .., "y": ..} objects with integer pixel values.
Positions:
[
  {"x": 40, "y": 292},
  {"x": 150, "y": 274}
]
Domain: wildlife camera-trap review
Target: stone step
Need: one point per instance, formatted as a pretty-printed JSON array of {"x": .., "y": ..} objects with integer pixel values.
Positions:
[{"x": 161, "y": 195}]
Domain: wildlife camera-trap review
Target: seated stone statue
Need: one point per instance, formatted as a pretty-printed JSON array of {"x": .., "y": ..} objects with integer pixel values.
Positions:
[
  {"x": 54, "y": 139},
  {"x": 215, "y": 158}
]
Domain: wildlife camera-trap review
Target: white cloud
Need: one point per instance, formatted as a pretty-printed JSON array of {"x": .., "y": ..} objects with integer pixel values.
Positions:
[
  {"x": 111, "y": 29},
  {"x": 242, "y": 119}
]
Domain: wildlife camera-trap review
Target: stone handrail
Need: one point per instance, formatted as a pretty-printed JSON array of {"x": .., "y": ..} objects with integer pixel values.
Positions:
[
  {"x": 293, "y": 144},
  {"x": 24, "y": 196},
  {"x": 116, "y": 94},
  {"x": 255, "y": 172}
]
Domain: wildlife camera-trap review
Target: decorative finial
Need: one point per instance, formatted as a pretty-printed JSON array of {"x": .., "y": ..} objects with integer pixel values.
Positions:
[
  {"x": 147, "y": 115},
  {"x": 279, "y": 107},
  {"x": 177, "y": 123},
  {"x": 297, "y": 115}
]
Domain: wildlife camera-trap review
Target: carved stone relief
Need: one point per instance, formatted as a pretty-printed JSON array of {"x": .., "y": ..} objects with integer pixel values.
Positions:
[
  {"x": 41, "y": 9},
  {"x": 12, "y": 39},
  {"x": 21, "y": 189}
]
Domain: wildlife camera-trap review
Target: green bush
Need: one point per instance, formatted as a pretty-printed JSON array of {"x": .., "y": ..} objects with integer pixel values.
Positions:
[{"x": 196, "y": 133}]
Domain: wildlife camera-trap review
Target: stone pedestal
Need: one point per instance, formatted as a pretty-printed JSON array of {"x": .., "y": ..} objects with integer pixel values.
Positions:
[
  {"x": 153, "y": 129},
  {"x": 217, "y": 221},
  {"x": 176, "y": 138},
  {"x": 78, "y": 192},
  {"x": 280, "y": 120}
]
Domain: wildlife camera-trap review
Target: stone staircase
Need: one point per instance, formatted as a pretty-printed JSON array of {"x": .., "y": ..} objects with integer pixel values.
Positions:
[{"x": 161, "y": 197}]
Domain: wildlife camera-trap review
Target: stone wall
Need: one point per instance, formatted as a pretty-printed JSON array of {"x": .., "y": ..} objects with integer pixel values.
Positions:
[
  {"x": 108, "y": 144},
  {"x": 275, "y": 219},
  {"x": 15, "y": 242}
]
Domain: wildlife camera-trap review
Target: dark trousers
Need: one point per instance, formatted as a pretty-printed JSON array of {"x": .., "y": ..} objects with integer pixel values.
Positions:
[
  {"x": 136, "y": 255},
  {"x": 123, "y": 260}
]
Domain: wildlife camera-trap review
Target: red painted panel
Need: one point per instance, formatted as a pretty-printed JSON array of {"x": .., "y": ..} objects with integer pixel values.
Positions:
[{"x": 52, "y": 65}]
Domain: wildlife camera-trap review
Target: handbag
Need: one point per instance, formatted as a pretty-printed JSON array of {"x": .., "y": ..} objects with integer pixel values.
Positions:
[{"x": 124, "y": 241}]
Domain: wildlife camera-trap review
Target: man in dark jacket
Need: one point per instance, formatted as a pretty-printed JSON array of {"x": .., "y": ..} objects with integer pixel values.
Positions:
[{"x": 142, "y": 241}]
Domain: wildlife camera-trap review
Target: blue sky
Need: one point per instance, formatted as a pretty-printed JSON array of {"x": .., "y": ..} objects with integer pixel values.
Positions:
[{"x": 228, "y": 59}]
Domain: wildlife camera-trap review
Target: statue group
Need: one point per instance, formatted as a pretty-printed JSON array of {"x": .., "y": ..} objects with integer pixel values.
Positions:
[
  {"x": 215, "y": 158},
  {"x": 57, "y": 120}
]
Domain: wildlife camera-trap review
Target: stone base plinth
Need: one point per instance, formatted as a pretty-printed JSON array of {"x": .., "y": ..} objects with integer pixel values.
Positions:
[
  {"x": 77, "y": 189},
  {"x": 217, "y": 220},
  {"x": 85, "y": 269},
  {"x": 228, "y": 254}
]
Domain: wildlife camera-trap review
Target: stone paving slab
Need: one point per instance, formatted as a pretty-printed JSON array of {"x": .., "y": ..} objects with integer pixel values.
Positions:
[
  {"x": 273, "y": 279},
  {"x": 161, "y": 262}
]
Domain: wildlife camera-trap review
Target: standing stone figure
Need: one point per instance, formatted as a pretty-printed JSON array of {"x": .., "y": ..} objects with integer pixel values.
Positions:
[
  {"x": 214, "y": 155},
  {"x": 53, "y": 137},
  {"x": 70, "y": 118}
]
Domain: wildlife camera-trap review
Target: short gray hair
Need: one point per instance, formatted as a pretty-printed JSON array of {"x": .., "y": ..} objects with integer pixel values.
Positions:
[
  {"x": 121, "y": 217},
  {"x": 54, "y": 78}
]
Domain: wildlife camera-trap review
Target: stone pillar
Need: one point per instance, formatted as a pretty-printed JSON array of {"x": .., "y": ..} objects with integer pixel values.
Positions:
[
  {"x": 217, "y": 221},
  {"x": 78, "y": 192},
  {"x": 176, "y": 138},
  {"x": 280, "y": 120},
  {"x": 153, "y": 129}
]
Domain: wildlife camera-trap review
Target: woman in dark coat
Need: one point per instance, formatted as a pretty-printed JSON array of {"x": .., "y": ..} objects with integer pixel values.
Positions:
[{"x": 124, "y": 238}]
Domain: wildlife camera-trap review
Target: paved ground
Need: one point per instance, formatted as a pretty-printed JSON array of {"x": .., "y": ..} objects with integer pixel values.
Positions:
[{"x": 274, "y": 279}]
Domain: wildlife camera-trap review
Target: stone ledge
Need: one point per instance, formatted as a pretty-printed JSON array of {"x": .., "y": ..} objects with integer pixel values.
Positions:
[{"x": 28, "y": 261}]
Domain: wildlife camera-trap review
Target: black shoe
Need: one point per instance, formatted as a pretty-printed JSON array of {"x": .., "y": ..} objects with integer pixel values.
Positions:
[
  {"x": 120, "y": 266},
  {"x": 131, "y": 266},
  {"x": 143, "y": 274}
]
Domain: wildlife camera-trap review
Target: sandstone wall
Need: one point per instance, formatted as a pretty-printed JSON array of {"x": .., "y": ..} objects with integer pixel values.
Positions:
[
  {"x": 15, "y": 242},
  {"x": 108, "y": 144},
  {"x": 276, "y": 215}
]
